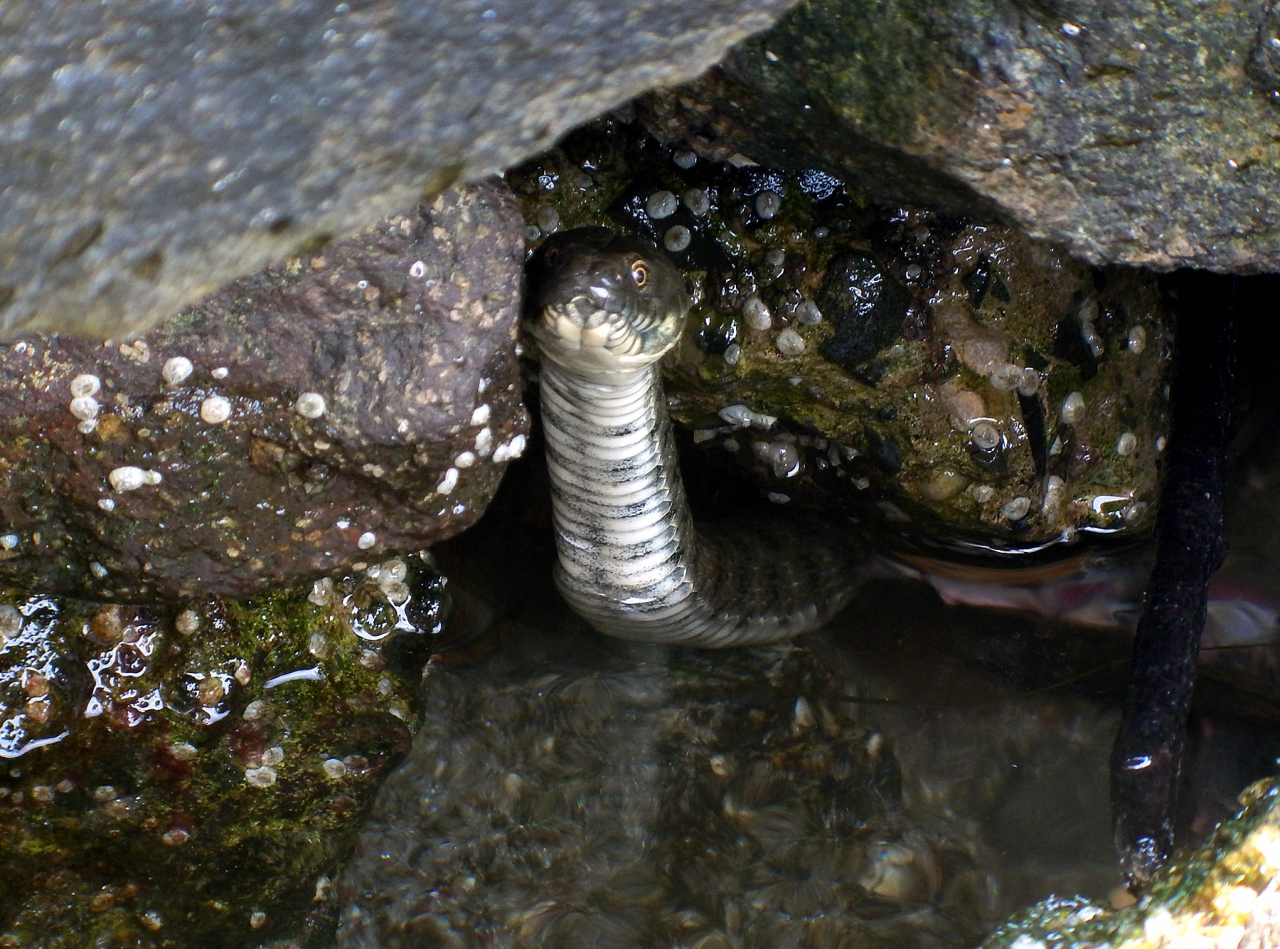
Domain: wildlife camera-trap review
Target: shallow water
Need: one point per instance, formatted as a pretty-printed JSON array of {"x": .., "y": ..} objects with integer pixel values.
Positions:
[{"x": 908, "y": 776}]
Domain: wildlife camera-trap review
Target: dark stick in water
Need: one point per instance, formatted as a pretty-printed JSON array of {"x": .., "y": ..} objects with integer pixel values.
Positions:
[{"x": 1191, "y": 544}]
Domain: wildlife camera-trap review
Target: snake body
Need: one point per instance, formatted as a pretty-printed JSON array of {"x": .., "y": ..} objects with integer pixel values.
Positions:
[{"x": 631, "y": 561}]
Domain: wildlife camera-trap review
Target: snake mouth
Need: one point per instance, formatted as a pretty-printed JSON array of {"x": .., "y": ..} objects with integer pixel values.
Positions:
[{"x": 605, "y": 303}]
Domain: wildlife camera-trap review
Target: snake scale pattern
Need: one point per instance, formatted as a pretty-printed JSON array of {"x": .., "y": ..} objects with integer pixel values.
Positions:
[{"x": 631, "y": 561}]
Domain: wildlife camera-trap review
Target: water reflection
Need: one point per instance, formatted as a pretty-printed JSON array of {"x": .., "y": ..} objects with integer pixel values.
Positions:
[{"x": 909, "y": 776}]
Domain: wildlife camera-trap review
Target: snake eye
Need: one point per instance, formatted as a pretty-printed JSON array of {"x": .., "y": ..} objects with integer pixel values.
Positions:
[{"x": 640, "y": 273}]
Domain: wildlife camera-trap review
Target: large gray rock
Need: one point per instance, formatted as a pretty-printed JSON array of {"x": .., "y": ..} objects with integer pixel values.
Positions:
[
  {"x": 152, "y": 149},
  {"x": 312, "y": 418},
  {"x": 1130, "y": 131}
]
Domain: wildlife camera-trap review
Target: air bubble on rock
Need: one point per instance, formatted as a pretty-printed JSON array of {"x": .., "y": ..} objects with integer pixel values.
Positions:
[
  {"x": 661, "y": 204},
  {"x": 677, "y": 238},
  {"x": 548, "y": 220},
  {"x": 732, "y": 354},
  {"x": 768, "y": 203},
  {"x": 776, "y": 257},
  {"x": 106, "y": 504},
  {"x": 367, "y": 540},
  {"x": 1016, "y": 509},
  {"x": 215, "y": 410},
  {"x": 310, "y": 405},
  {"x": 684, "y": 159},
  {"x": 821, "y": 232},
  {"x": 697, "y": 201},
  {"x": 97, "y": 569},
  {"x": 448, "y": 482},
  {"x": 532, "y": 232},
  {"x": 84, "y": 407},
  {"x": 914, "y": 271},
  {"x": 985, "y": 436},
  {"x": 176, "y": 369},
  {"x": 982, "y": 493},
  {"x": 1072, "y": 410},
  {"x": 1088, "y": 311},
  {"x": 1126, "y": 444},
  {"x": 789, "y": 342},
  {"x": 10, "y": 621},
  {"x": 85, "y": 384},
  {"x": 756, "y": 312},
  {"x": 1137, "y": 341},
  {"x": 1005, "y": 378}
]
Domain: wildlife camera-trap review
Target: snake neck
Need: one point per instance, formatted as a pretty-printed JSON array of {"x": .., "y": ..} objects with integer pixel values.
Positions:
[{"x": 624, "y": 535}]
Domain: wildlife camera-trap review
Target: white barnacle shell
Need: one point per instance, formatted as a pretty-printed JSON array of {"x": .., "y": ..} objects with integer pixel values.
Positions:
[
  {"x": 85, "y": 384},
  {"x": 127, "y": 478},
  {"x": 176, "y": 369},
  {"x": 215, "y": 409},
  {"x": 84, "y": 407},
  {"x": 310, "y": 405}
]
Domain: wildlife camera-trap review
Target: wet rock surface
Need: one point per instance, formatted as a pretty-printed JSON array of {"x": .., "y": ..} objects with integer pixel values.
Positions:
[
  {"x": 154, "y": 151},
  {"x": 938, "y": 373},
  {"x": 194, "y": 775},
  {"x": 358, "y": 400},
  {"x": 1129, "y": 132},
  {"x": 1222, "y": 894}
]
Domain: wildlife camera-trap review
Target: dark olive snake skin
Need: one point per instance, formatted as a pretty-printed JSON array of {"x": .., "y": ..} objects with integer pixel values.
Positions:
[{"x": 631, "y": 560}]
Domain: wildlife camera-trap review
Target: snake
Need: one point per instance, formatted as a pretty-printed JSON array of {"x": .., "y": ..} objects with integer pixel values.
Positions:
[{"x": 604, "y": 309}]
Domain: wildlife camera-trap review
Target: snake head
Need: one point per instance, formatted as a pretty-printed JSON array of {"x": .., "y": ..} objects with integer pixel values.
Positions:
[{"x": 601, "y": 302}]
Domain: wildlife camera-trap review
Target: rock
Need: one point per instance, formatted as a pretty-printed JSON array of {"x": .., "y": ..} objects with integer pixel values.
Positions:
[
  {"x": 153, "y": 150},
  {"x": 1136, "y": 132},
  {"x": 354, "y": 402},
  {"x": 1223, "y": 893},
  {"x": 944, "y": 374},
  {"x": 147, "y": 750}
]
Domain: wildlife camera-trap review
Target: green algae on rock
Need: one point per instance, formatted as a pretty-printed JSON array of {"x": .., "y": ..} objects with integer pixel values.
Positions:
[
  {"x": 360, "y": 400},
  {"x": 988, "y": 388},
  {"x": 195, "y": 775},
  {"x": 1223, "y": 895}
]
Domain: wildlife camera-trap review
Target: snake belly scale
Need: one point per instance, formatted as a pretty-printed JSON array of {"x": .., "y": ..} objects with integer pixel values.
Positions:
[{"x": 631, "y": 561}]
